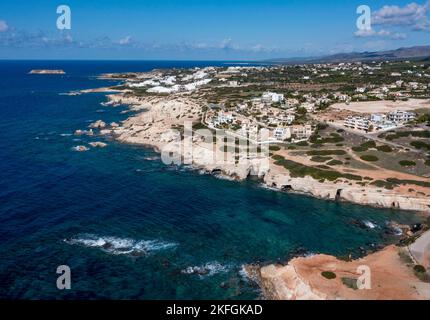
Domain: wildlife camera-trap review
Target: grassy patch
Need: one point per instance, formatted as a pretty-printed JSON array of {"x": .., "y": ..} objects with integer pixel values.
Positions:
[
  {"x": 420, "y": 145},
  {"x": 302, "y": 144},
  {"x": 383, "y": 184},
  {"x": 334, "y": 163},
  {"x": 274, "y": 148},
  {"x": 299, "y": 170},
  {"x": 407, "y": 163},
  {"x": 199, "y": 126},
  {"x": 326, "y": 152},
  {"x": 421, "y": 273},
  {"x": 369, "y": 158},
  {"x": 419, "y": 269},
  {"x": 350, "y": 283},
  {"x": 333, "y": 138},
  {"x": 320, "y": 159},
  {"x": 365, "y": 146},
  {"x": 404, "y": 134},
  {"x": 415, "y": 182},
  {"x": 328, "y": 275},
  {"x": 384, "y": 148}
]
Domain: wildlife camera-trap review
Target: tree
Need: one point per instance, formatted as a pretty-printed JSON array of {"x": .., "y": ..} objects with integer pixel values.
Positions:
[{"x": 301, "y": 110}]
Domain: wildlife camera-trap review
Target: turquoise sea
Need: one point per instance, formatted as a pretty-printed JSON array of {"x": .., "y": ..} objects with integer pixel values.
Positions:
[{"x": 128, "y": 226}]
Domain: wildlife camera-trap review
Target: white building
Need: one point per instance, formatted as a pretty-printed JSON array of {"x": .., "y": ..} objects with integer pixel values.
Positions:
[
  {"x": 272, "y": 97},
  {"x": 357, "y": 123},
  {"x": 223, "y": 118},
  {"x": 282, "y": 133},
  {"x": 377, "y": 117},
  {"x": 302, "y": 131},
  {"x": 233, "y": 83},
  {"x": 289, "y": 118},
  {"x": 401, "y": 116}
]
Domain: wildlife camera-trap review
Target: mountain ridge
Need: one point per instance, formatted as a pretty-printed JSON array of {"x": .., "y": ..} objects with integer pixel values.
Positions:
[{"x": 416, "y": 52}]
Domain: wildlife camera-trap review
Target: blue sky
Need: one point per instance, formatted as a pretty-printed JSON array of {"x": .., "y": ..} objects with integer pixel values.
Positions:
[{"x": 206, "y": 29}]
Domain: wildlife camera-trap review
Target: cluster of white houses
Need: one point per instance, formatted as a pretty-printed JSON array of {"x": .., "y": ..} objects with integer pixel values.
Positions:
[{"x": 377, "y": 122}]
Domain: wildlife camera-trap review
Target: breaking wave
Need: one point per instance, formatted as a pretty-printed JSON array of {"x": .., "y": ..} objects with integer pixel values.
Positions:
[
  {"x": 369, "y": 224},
  {"x": 207, "y": 270},
  {"x": 120, "y": 246}
]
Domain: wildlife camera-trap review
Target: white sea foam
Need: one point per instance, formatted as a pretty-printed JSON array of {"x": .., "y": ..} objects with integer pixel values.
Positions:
[
  {"x": 244, "y": 274},
  {"x": 207, "y": 270},
  {"x": 224, "y": 177},
  {"x": 265, "y": 186},
  {"x": 65, "y": 134},
  {"x": 120, "y": 246},
  {"x": 154, "y": 158},
  {"x": 369, "y": 224}
]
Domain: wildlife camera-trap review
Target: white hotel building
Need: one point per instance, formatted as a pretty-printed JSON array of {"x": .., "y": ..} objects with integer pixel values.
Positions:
[
  {"x": 358, "y": 123},
  {"x": 401, "y": 116}
]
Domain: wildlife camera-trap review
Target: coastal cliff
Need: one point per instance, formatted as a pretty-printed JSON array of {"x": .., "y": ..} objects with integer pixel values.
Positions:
[
  {"x": 346, "y": 192},
  {"x": 158, "y": 120}
]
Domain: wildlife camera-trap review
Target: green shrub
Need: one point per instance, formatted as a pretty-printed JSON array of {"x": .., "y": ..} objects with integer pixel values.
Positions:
[
  {"x": 326, "y": 152},
  {"x": 359, "y": 149},
  {"x": 369, "y": 158},
  {"x": 383, "y": 184},
  {"x": 350, "y": 283},
  {"x": 274, "y": 148},
  {"x": 302, "y": 144},
  {"x": 415, "y": 182},
  {"x": 320, "y": 159},
  {"x": 365, "y": 146},
  {"x": 407, "y": 163},
  {"x": 328, "y": 275},
  {"x": 322, "y": 126},
  {"x": 334, "y": 163},
  {"x": 384, "y": 148},
  {"x": 419, "y": 269},
  {"x": 299, "y": 170},
  {"x": 369, "y": 144},
  {"x": 405, "y": 134},
  {"x": 350, "y": 176},
  {"x": 420, "y": 145}
]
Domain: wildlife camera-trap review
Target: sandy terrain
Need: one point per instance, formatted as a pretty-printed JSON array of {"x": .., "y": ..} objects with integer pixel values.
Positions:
[
  {"x": 377, "y": 173},
  {"x": 382, "y": 106},
  {"x": 391, "y": 278}
]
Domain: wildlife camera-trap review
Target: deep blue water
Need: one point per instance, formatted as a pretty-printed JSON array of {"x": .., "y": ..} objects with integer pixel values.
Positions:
[{"x": 57, "y": 205}]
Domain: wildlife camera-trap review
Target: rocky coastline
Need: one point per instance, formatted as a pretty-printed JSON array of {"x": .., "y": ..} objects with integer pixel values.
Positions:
[
  {"x": 152, "y": 124},
  {"x": 393, "y": 274}
]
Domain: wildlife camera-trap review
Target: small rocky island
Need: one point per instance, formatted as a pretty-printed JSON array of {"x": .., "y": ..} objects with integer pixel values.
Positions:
[{"x": 47, "y": 71}]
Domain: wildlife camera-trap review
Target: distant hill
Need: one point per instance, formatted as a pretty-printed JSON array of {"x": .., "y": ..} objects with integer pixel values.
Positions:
[{"x": 418, "y": 52}]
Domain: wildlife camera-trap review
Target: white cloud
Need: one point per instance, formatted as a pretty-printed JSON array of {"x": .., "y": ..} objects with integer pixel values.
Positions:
[
  {"x": 125, "y": 41},
  {"x": 412, "y": 14},
  {"x": 226, "y": 44},
  {"x": 3, "y": 26},
  {"x": 380, "y": 33}
]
